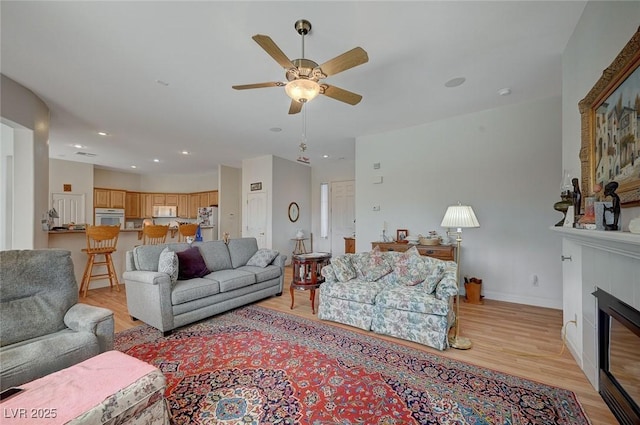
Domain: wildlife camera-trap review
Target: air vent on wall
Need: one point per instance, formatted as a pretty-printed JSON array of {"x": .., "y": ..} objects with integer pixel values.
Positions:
[{"x": 85, "y": 154}]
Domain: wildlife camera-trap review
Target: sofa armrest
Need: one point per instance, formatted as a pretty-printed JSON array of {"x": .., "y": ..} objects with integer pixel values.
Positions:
[
  {"x": 149, "y": 298},
  {"x": 96, "y": 320},
  {"x": 448, "y": 285},
  {"x": 279, "y": 261}
]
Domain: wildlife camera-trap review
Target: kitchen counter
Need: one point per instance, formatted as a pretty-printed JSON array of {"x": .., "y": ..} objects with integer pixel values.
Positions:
[{"x": 75, "y": 241}]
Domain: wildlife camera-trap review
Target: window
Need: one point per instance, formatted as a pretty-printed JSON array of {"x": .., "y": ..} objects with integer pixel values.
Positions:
[{"x": 324, "y": 210}]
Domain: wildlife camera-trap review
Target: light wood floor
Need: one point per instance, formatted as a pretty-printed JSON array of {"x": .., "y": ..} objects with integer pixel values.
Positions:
[{"x": 512, "y": 338}]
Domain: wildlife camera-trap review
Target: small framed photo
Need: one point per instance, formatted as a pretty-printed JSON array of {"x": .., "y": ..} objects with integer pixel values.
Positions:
[
  {"x": 402, "y": 234},
  {"x": 256, "y": 186}
]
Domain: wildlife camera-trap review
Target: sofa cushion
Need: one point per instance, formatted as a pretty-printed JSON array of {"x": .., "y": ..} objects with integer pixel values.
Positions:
[
  {"x": 434, "y": 277},
  {"x": 216, "y": 254},
  {"x": 168, "y": 263},
  {"x": 146, "y": 257},
  {"x": 193, "y": 289},
  {"x": 343, "y": 268},
  {"x": 263, "y": 273},
  {"x": 37, "y": 287},
  {"x": 411, "y": 298},
  {"x": 233, "y": 279},
  {"x": 262, "y": 258},
  {"x": 371, "y": 266},
  {"x": 411, "y": 267},
  {"x": 241, "y": 250},
  {"x": 353, "y": 290},
  {"x": 29, "y": 360},
  {"x": 191, "y": 264}
]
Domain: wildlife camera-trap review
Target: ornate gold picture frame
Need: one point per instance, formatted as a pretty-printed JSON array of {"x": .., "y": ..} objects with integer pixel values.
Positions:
[{"x": 610, "y": 124}]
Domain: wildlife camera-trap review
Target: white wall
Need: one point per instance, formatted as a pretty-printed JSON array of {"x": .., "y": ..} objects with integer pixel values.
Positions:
[
  {"x": 229, "y": 201},
  {"x": 326, "y": 172},
  {"x": 179, "y": 183},
  {"x": 6, "y": 187},
  {"x": 28, "y": 115},
  {"x": 291, "y": 183},
  {"x": 79, "y": 175},
  {"x": 111, "y": 179},
  {"x": 505, "y": 163},
  {"x": 603, "y": 30}
]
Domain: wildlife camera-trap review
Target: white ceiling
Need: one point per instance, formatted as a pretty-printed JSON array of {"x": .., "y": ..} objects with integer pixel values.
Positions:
[{"x": 96, "y": 64}]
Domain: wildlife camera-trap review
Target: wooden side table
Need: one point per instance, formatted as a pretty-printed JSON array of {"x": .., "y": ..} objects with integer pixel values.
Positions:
[
  {"x": 299, "y": 247},
  {"x": 349, "y": 245},
  {"x": 306, "y": 274},
  {"x": 441, "y": 252}
]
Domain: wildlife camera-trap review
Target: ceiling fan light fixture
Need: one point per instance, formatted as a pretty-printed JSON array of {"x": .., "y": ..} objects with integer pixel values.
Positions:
[{"x": 302, "y": 90}]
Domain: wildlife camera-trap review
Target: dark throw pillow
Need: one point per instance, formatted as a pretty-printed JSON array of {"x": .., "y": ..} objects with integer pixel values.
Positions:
[{"x": 191, "y": 264}]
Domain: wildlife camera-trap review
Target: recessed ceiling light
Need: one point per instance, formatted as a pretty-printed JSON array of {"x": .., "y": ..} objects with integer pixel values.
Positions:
[
  {"x": 455, "y": 82},
  {"x": 325, "y": 156},
  {"x": 162, "y": 83},
  {"x": 103, "y": 133},
  {"x": 504, "y": 92},
  {"x": 156, "y": 160},
  {"x": 275, "y": 129},
  {"x": 78, "y": 146},
  {"x": 133, "y": 166},
  {"x": 185, "y": 152}
]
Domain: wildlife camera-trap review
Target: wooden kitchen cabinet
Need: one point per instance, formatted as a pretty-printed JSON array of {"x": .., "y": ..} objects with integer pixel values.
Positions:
[
  {"x": 132, "y": 205},
  {"x": 194, "y": 204},
  {"x": 213, "y": 198},
  {"x": 204, "y": 199},
  {"x": 101, "y": 198},
  {"x": 107, "y": 198},
  {"x": 146, "y": 205},
  {"x": 159, "y": 199},
  {"x": 183, "y": 205},
  {"x": 171, "y": 199}
]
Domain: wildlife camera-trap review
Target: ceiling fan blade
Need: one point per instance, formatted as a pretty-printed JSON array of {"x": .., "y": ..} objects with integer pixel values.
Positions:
[
  {"x": 295, "y": 107},
  {"x": 354, "y": 57},
  {"x": 341, "y": 94},
  {"x": 273, "y": 50},
  {"x": 258, "y": 85}
]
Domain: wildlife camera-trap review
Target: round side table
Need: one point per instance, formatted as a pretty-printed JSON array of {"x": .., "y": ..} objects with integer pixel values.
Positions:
[{"x": 306, "y": 274}]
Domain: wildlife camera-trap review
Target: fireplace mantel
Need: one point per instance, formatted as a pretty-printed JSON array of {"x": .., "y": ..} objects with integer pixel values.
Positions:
[
  {"x": 623, "y": 243},
  {"x": 591, "y": 260}
]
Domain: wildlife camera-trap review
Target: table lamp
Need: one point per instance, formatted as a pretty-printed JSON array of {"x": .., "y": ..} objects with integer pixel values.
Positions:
[{"x": 459, "y": 216}]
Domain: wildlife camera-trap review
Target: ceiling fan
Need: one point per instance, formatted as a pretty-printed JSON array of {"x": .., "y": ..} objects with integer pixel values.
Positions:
[{"x": 304, "y": 75}]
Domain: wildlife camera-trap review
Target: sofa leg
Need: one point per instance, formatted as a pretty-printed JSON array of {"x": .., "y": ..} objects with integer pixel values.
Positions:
[
  {"x": 133, "y": 319},
  {"x": 279, "y": 294},
  {"x": 166, "y": 333}
]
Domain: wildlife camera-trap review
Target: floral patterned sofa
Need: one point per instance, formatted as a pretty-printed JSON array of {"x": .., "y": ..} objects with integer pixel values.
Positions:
[{"x": 404, "y": 295}]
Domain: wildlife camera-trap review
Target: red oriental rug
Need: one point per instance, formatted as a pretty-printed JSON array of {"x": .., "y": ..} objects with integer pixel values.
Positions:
[{"x": 259, "y": 366}]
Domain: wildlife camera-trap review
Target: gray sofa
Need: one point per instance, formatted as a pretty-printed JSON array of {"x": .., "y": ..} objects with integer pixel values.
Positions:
[
  {"x": 154, "y": 299},
  {"x": 43, "y": 329}
]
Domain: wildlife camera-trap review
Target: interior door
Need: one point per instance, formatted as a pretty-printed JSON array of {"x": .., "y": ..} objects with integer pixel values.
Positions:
[
  {"x": 70, "y": 208},
  {"x": 343, "y": 214},
  {"x": 257, "y": 217}
]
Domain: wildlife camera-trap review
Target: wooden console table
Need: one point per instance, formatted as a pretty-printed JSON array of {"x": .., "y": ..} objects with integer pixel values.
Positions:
[
  {"x": 441, "y": 252},
  {"x": 306, "y": 274}
]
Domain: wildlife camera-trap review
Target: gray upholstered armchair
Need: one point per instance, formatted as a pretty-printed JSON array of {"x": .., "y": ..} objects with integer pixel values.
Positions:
[{"x": 42, "y": 327}]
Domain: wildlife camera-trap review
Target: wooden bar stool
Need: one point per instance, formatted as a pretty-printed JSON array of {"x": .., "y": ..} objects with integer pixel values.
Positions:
[
  {"x": 101, "y": 240},
  {"x": 185, "y": 230},
  {"x": 154, "y": 234}
]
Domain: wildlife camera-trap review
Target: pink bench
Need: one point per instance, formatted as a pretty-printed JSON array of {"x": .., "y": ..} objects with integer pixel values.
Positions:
[{"x": 111, "y": 387}]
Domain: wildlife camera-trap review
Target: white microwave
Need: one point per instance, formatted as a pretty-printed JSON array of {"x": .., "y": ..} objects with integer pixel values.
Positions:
[{"x": 109, "y": 217}]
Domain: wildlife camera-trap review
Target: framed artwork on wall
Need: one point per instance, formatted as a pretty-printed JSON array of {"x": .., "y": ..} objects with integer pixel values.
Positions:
[
  {"x": 401, "y": 234},
  {"x": 610, "y": 135},
  {"x": 256, "y": 186}
]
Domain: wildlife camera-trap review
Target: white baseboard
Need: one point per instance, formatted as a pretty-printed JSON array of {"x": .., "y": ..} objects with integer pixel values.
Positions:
[{"x": 519, "y": 299}]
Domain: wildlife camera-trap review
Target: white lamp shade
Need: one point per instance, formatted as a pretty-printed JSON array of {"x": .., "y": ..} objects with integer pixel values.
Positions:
[
  {"x": 460, "y": 216},
  {"x": 302, "y": 90}
]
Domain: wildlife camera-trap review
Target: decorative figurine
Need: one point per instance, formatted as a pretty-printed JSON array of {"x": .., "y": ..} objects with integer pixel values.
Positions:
[
  {"x": 577, "y": 197},
  {"x": 610, "y": 190}
]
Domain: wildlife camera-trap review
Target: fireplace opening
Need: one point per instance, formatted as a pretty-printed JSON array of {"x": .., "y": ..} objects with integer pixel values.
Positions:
[{"x": 619, "y": 357}]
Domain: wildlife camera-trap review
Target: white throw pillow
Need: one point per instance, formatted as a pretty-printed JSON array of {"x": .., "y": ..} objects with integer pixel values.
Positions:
[{"x": 168, "y": 263}]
